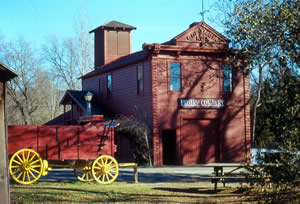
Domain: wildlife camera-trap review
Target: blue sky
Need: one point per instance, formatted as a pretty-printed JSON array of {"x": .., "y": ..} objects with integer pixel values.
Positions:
[{"x": 156, "y": 20}]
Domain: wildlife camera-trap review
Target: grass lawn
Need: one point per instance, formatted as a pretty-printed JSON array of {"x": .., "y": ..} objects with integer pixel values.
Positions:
[{"x": 78, "y": 192}]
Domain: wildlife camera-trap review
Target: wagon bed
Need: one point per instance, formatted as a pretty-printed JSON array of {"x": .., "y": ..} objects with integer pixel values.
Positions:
[{"x": 90, "y": 146}]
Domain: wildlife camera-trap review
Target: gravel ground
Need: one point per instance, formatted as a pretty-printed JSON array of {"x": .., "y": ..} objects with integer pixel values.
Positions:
[{"x": 146, "y": 175}]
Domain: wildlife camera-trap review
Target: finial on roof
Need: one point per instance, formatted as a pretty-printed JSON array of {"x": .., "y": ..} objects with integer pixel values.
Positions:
[{"x": 202, "y": 13}]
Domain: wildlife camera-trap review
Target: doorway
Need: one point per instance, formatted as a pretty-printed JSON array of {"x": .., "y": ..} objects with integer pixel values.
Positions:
[
  {"x": 169, "y": 147},
  {"x": 199, "y": 143}
]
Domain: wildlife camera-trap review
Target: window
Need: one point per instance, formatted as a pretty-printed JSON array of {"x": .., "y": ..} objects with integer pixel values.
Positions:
[
  {"x": 108, "y": 80},
  {"x": 227, "y": 78},
  {"x": 140, "y": 81},
  {"x": 175, "y": 77}
]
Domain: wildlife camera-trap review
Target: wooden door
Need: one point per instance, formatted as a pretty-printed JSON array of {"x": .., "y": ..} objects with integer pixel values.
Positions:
[{"x": 199, "y": 141}]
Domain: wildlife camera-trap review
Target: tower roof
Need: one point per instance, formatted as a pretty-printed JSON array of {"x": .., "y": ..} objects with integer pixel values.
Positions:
[{"x": 114, "y": 25}]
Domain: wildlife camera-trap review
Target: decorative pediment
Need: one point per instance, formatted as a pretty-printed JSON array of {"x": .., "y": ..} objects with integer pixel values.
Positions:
[{"x": 201, "y": 33}]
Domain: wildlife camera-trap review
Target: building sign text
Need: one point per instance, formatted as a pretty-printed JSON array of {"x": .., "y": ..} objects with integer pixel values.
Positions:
[{"x": 202, "y": 103}]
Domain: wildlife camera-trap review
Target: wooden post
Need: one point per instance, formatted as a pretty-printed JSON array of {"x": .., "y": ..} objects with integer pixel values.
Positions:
[
  {"x": 4, "y": 181},
  {"x": 135, "y": 173}
]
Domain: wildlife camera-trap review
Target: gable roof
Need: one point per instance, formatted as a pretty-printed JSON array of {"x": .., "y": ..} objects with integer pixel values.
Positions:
[
  {"x": 6, "y": 73},
  {"x": 114, "y": 25},
  {"x": 122, "y": 61},
  {"x": 193, "y": 27},
  {"x": 78, "y": 97}
]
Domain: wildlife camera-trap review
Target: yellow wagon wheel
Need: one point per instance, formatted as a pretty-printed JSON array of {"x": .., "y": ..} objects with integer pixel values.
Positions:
[
  {"x": 105, "y": 169},
  {"x": 26, "y": 166},
  {"x": 83, "y": 172}
]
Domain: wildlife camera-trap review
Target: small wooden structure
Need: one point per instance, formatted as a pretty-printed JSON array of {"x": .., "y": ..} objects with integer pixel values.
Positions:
[
  {"x": 6, "y": 74},
  {"x": 219, "y": 173}
]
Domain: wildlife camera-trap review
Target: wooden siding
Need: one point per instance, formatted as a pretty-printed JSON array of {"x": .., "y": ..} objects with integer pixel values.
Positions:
[
  {"x": 4, "y": 179},
  {"x": 124, "y": 91},
  {"x": 201, "y": 78}
]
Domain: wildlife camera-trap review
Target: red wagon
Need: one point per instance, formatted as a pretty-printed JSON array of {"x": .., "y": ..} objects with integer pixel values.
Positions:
[{"x": 87, "y": 148}]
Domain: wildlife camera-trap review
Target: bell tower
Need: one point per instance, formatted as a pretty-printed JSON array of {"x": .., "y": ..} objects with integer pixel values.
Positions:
[{"x": 112, "y": 41}]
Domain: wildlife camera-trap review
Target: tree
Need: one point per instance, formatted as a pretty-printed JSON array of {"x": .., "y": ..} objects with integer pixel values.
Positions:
[
  {"x": 278, "y": 119},
  {"x": 49, "y": 96},
  {"x": 62, "y": 57},
  {"x": 20, "y": 56},
  {"x": 70, "y": 58},
  {"x": 138, "y": 133},
  {"x": 32, "y": 96},
  {"x": 85, "y": 42},
  {"x": 266, "y": 34}
]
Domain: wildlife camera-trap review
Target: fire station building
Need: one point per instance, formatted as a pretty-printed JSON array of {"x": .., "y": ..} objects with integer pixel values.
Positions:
[{"x": 196, "y": 106}]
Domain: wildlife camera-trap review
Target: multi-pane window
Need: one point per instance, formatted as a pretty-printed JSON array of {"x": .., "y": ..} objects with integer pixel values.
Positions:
[
  {"x": 175, "y": 77},
  {"x": 227, "y": 78},
  {"x": 108, "y": 85},
  {"x": 140, "y": 80}
]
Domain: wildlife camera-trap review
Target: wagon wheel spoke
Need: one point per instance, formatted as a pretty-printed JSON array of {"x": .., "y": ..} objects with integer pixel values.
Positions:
[
  {"x": 35, "y": 166},
  {"x": 34, "y": 171},
  {"x": 16, "y": 171},
  {"x": 23, "y": 156},
  {"x": 28, "y": 176},
  {"x": 23, "y": 178},
  {"x": 32, "y": 174},
  {"x": 111, "y": 161},
  {"x": 26, "y": 166},
  {"x": 101, "y": 161},
  {"x": 91, "y": 175},
  {"x": 105, "y": 169},
  {"x": 111, "y": 166},
  {"x": 107, "y": 178},
  {"x": 19, "y": 158},
  {"x": 83, "y": 172},
  {"x": 28, "y": 156},
  {"x": 15, "y": 161},
  {"x": 20, "y": 175},
  {"x": 36, "y": 161},
  {"x": 32, "y": 158}
]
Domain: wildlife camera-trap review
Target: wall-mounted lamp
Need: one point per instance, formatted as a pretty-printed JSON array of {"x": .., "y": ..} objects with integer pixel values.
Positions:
[{"x": 88, "y": 98}]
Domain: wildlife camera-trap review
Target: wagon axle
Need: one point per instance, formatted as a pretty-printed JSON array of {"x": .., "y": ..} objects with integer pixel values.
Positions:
[{"x": 26, "y": 167}]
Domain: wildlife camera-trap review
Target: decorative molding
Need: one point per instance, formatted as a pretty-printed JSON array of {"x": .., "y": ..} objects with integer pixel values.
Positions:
[{"x": 202, "y": 35}]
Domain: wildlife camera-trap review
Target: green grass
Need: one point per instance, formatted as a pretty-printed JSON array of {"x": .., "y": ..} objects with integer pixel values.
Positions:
[{"x": 78, "y": 192}]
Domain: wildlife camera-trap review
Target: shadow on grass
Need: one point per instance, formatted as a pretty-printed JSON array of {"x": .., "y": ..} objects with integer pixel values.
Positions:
[
  {"x": 191, "y": 190},
  {"x": 64, "y": 194}
]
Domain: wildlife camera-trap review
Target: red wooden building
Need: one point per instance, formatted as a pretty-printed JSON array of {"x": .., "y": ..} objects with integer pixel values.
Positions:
[{"x": 197, "y": 108}]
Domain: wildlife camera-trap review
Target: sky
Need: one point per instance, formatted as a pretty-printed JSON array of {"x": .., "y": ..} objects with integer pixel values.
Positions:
[{"x": 157, "y": 21}]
